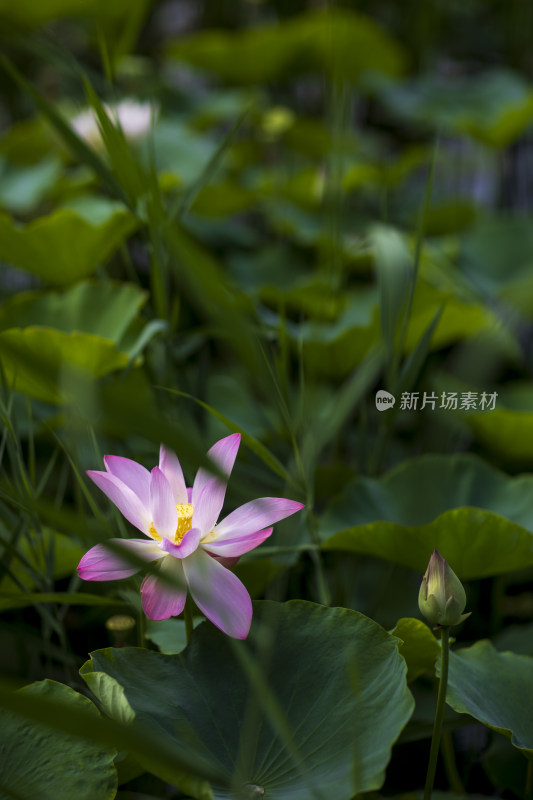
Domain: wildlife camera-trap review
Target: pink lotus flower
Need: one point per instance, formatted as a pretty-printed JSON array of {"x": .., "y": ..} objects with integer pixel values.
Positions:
[{"x": 184, "y": 536}]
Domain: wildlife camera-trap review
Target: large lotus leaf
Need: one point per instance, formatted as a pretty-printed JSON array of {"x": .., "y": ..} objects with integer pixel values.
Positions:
[
  {"x": 496, "y": 689},
  {"x": 104, "y": 309},
  {"x": 329, "y": 698},
  {"x": 341, "y": 42},
  {"x": 81, "y": 722},
  {"x": 479, "y": 519},
  {"x": 43, "y": 763},
  {"x": 52, "y": 365},
  {"x": 494, "y": 107},
  {"x": 64, "y": 246}
]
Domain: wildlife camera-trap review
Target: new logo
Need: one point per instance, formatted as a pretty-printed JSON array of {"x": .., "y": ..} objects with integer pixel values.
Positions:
[{"x": 384, "y": 400}]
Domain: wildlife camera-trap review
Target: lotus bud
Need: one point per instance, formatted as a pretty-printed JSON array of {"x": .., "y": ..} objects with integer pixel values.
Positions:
[{"x": 442, "y": 598}]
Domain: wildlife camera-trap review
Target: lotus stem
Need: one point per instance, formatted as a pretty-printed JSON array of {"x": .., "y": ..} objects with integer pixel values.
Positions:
[{"x": 439, "y": 713}]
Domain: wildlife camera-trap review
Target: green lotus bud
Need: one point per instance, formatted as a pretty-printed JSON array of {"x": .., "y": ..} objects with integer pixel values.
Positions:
[{"x": 442, "y": 598}]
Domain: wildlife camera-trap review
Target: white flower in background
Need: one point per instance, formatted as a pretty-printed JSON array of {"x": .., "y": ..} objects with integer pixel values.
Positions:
[{"x": 134, "y": 119}]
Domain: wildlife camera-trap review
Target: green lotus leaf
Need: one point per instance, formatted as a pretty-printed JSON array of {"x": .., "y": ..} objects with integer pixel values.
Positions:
[
  {"x": 44, "y": 763},
  {"x": 300, "y": 44},
  {"x": 327, "y": 701},
  {"x": 496, "y": 689},
  {"x": 419, "y": 646},
  {"x": 54, "y": 366},
  {"x": 105, "y": 309},
  {"x": 494, "y": 107},
  {"x": 479, "y": 519},
  {"x": 64, "y": 246},
  {"x": 506, "y": 432}
]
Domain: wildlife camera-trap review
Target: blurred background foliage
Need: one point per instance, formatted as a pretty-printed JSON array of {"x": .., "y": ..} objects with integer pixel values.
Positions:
[{"x": 251, "y": 216}]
